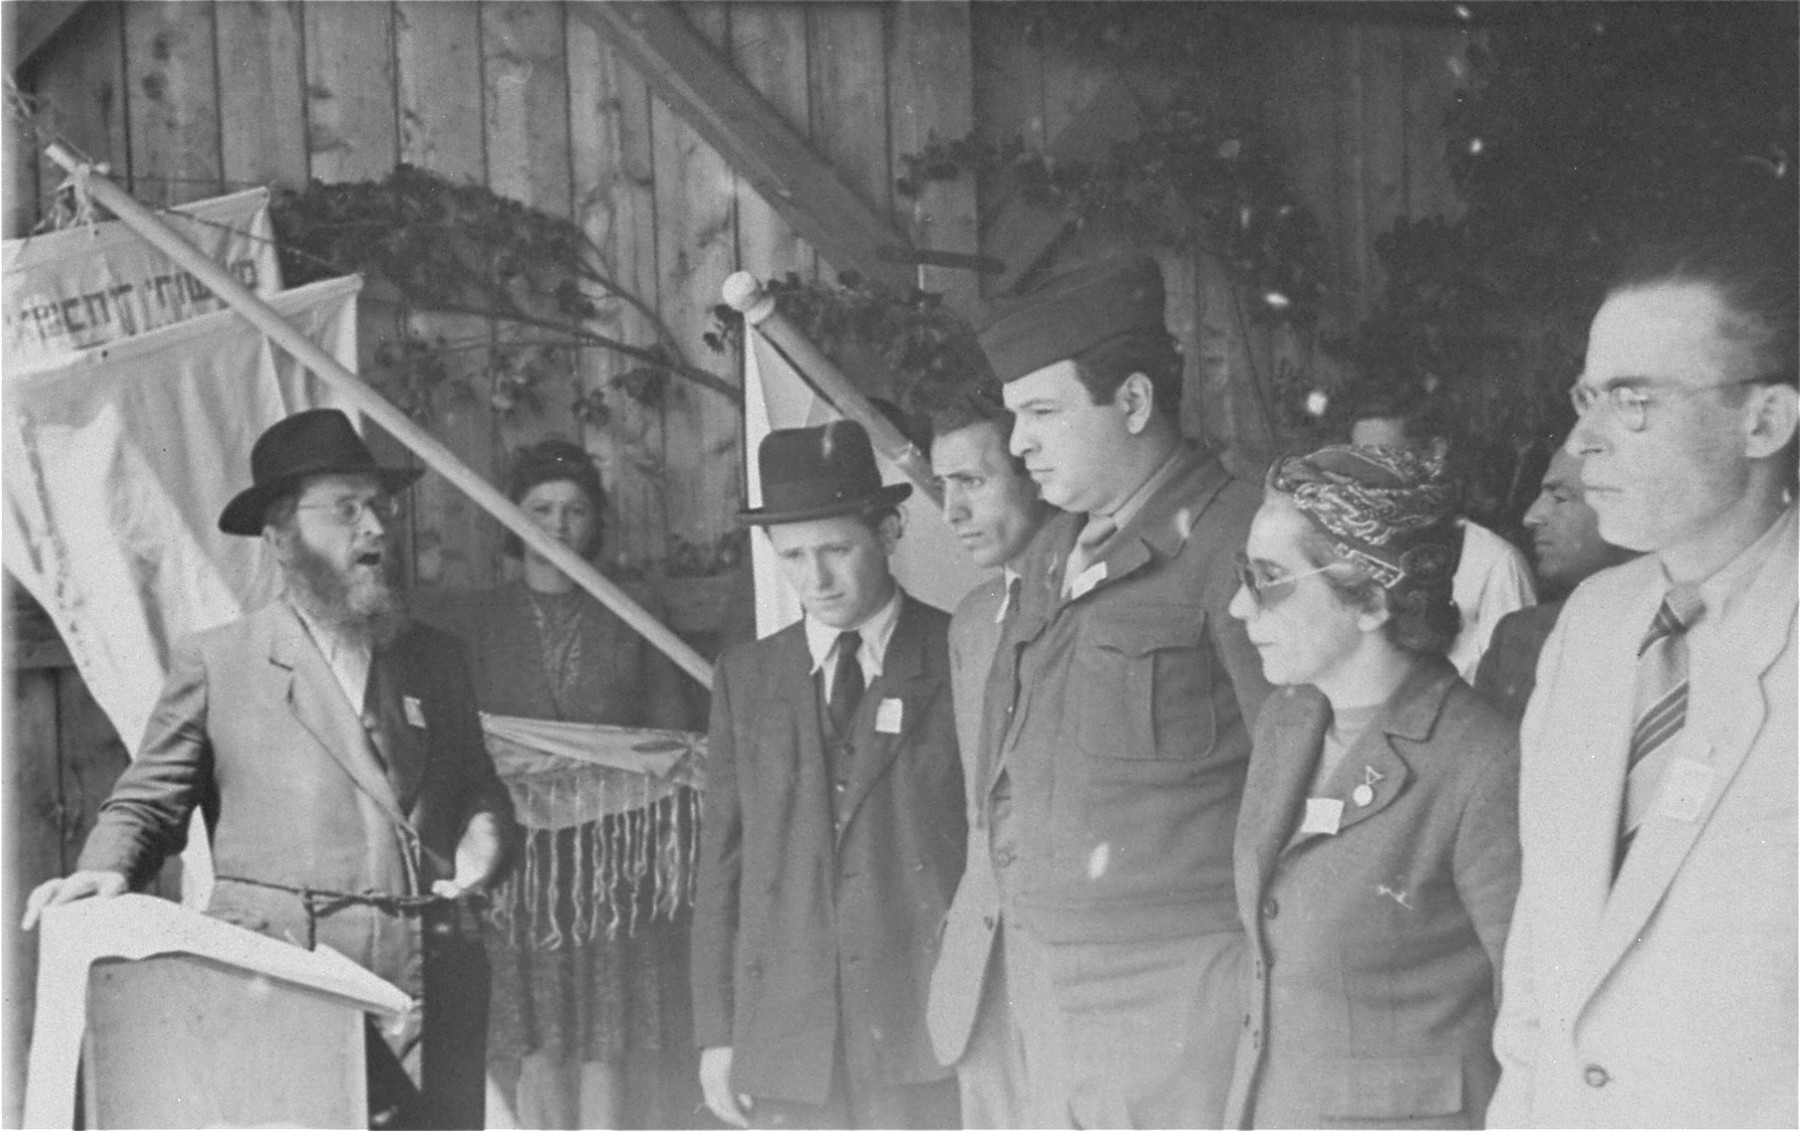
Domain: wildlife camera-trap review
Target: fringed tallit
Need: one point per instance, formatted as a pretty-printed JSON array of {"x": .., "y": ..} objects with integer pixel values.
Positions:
[{"x": 566, "y": 780}]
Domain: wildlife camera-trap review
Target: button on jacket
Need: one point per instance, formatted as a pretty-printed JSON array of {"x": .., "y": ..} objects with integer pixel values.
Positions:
[
  {"x": 1375, "y": 951},
  {"x": 1119, "y": 716},
  {"x": 808, "y": 932}
]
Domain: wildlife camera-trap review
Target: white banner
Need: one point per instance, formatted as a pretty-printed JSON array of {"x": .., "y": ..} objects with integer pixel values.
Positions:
[
  {"x": 928, "y": 564},
  {"x": 88, "y": 286},
  {"x": 117, "y": 464}
]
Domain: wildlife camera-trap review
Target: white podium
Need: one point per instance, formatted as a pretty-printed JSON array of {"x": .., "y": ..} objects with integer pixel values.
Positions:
[{"x": 187, "y": 1021}]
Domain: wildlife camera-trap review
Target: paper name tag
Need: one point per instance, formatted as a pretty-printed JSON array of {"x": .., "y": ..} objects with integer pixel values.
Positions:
[
  {"x": 887, "y": 716},
  {"x": 1323, "y": 816},
  {"x": 1089, "y": 577},
  {"x": 415, "y": 714},
  {"x": 1686, "y": 786}
]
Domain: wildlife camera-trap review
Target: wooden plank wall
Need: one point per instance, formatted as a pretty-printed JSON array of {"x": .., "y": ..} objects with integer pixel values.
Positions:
[
  {"x": 188, "y": 99},
  {"x": 521, "y": 97},
  {"x": 185, "y": 100}
]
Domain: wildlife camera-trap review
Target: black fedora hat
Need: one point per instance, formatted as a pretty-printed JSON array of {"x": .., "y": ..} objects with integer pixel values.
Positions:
[
  {"x": 821, "y": 472},
  {"x": 319, "y": 441}
]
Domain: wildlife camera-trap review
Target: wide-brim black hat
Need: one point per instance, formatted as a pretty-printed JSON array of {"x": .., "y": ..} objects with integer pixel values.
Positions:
[
  {"x": 319, "y": 441},
  {"x": 822, "y": 472}
]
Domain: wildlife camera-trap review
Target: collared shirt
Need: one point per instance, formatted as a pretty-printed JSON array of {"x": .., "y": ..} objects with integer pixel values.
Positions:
[
  {"x": 821, "y": 642},
  {"x": 1123, "y": 513},
  {"x": 1729, "y": 580},
  {"x": 1009, "y": 577},
  {"x": 347, "y": 654}
]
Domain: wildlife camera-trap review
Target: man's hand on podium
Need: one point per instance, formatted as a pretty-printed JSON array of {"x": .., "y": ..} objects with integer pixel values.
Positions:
[{"x": 77, "y": 885}]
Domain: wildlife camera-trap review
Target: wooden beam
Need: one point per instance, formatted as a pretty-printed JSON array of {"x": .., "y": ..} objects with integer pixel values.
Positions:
[
  {"x": 38, "y": 22},
  {"x": 727, "y": 112}
]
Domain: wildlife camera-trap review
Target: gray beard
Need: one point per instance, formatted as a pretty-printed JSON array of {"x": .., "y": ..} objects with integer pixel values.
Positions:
[{"x": 360, "y": 605}]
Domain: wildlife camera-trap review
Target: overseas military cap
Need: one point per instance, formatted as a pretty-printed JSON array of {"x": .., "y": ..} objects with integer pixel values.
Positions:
[{"x": 1071, "y": 312}]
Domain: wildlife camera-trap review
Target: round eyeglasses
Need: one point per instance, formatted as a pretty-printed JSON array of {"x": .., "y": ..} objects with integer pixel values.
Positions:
[
  {"x": 1264, "y": 593},
  {"x": 1631, "y": 403},
  {"x": 349, "y": 512}
]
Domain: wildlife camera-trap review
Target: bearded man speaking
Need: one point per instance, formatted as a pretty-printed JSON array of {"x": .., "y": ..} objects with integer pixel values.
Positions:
[{"x": 335, "y": 753}]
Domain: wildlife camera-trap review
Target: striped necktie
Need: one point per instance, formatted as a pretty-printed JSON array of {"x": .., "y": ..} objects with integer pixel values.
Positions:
[{"x": 1662, "y": 689}]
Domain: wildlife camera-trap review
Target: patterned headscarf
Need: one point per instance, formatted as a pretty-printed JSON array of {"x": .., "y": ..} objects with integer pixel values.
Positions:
[{"x": 1389, "y": 510}]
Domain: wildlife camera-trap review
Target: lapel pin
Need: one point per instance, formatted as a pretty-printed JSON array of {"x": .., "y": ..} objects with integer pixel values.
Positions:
[{"x": 1364, "y": 794}]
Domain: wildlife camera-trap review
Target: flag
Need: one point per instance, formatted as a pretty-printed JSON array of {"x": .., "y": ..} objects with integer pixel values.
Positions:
[
  {"x": 928, "y": 563},
  {"x": 88, "y": 286},
  {"x": 117, "y": 464}
]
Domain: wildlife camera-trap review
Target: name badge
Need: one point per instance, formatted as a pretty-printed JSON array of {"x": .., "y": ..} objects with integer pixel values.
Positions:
[
  {"x": 1088, "y": 578},
  {"x": 1686, "y": 786},
  {"x": 415, "y": 714},
  {"x": 887, "y": 716},
  {"x": 1323, "y": 816}
]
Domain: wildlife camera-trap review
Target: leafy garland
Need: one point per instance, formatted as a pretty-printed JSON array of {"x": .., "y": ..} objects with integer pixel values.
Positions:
[
  {"x": 1586, "y": 129},
  {"x": 1185, "y": 178},
  {"x": 463, "y": 249},
  {"x": 909, "y": 348}
]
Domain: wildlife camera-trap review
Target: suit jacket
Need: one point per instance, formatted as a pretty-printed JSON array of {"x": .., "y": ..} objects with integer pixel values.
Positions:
[
  {"x": 1120, "y": 716},
  {"x": 1508, "y": 670},
  {"x": 1375, "y": 952},
  {"x": 803, "y": 925},
  {"x": 958, "y": 978},
  {"x": 254, "y": 731},
  {"x": 1666, "y": 997}
]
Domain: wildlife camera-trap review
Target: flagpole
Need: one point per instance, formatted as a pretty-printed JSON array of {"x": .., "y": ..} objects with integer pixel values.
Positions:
[
  {"x": 427, "y": 447},
  {"x": 744, "y": 294}
]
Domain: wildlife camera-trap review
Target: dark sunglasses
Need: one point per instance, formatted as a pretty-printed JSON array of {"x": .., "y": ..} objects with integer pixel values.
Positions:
[{"x": 1266, "y": 594}]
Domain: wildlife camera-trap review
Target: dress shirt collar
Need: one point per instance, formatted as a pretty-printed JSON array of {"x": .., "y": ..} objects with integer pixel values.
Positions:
[
  {"x": 349, "y": 655},
  {"x": 1009, "y": 577},
  {"x": 1718, "y": 591},
  {"x": 1128, "y": 510},
  {"x": 877, "y": 630}
]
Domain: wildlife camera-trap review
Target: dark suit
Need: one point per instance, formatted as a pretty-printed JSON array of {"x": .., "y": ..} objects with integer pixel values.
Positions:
[
  {"x": 253, "y": 730},
  {"x": 817, "y": 915},
  {"x": 1508, "y": 671},
  {"x": 1375, "y": 952}
]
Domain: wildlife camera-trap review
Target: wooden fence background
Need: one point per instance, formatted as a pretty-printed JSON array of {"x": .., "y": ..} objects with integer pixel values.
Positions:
[{"x": 188, "y": 99}]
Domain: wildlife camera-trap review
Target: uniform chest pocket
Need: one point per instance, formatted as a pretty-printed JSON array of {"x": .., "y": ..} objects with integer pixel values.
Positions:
[{"x": 1142, "y": 684}]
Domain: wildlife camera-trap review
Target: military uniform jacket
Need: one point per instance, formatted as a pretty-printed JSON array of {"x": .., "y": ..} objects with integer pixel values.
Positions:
[
  {"x": 815, "y": 907},
  {"x": 254, "y": 731},
  {"x": 1375, "y": 951},
  {"x": 1119, "y": 716}
]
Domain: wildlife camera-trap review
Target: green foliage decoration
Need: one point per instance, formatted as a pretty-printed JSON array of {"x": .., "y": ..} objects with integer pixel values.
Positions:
[
  {"x": 460, "y": 248},
  {"x": 1585, "y": 130}
]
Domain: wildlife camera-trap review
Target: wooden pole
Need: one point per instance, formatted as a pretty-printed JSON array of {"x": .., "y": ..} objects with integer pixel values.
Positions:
[
  {"x": 746, "y": 296},
  {"x": 427, "y": 447}
]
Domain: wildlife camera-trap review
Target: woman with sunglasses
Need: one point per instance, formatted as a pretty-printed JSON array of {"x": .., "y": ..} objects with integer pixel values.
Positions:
[{"x": 1377, "y": 852}]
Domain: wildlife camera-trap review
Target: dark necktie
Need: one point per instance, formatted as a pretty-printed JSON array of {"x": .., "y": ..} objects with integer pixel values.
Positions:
[
  {"x": 846, "y": 683},
  {"x": 1661, "y": 711},
  {"x": 1009, "y": 612}
]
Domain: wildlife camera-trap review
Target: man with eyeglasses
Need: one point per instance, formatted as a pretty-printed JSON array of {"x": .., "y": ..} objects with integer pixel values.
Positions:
[
  {"x": 334, "y": 750},
  {"x": 1650, "y": 976}
]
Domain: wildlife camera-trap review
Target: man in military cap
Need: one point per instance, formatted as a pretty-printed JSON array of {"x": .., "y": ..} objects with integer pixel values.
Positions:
[
  {"x": 833, "y": 833},
  {"x": 334, "y": 750},
  {"x": 1115, "y": 738}
]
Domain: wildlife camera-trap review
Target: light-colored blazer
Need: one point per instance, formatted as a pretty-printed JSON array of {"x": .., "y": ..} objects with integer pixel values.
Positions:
[
  {"x": 964, "y": 955},
  {"x": 1375, "y": 951},
  {"x": 1668, "y": 998},
  {"x": 253, "y": 730}
]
